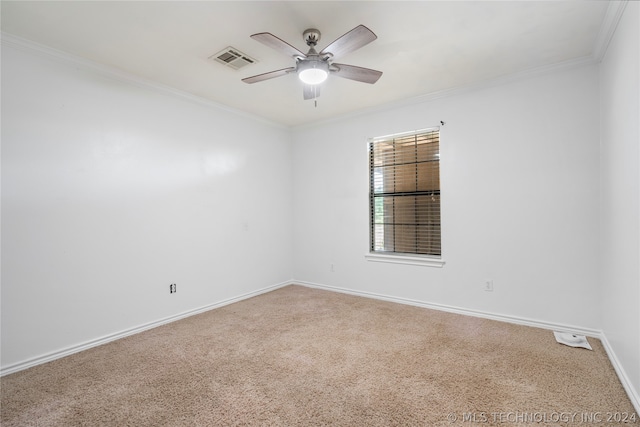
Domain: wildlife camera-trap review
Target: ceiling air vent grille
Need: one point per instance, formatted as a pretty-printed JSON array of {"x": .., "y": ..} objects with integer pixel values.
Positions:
[{"x": 232, "y": 57}]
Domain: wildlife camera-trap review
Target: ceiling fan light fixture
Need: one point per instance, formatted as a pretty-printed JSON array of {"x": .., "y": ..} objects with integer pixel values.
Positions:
[
  {"x": 313, "y": 72},
  {"x": 312, "y": 67}
]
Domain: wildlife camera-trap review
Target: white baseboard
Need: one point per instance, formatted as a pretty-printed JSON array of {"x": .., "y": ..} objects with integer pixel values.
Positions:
[
  {"x": 459, "y": 310},
  {"x": 595, "y": 333},
  {"x": 19, "y": 366},
  {"x": 624, "y": 379},
  {"x": 633, "y": 394}
]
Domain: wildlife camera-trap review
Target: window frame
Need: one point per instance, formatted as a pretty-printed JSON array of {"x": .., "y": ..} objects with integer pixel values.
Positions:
[{"x": 406, "y": 258}]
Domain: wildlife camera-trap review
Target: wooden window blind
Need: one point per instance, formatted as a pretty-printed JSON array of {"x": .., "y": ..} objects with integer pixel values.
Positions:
[{"x": 405, "y": 193}]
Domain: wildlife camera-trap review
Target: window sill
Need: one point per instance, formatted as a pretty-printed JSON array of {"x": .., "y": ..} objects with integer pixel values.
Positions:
[{"x": 405, "y": 259}]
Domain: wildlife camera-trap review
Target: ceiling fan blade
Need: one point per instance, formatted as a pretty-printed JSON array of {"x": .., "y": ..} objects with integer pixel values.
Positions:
[
  {"x": 349, "y": 42},
  {"x": 351, "y": 72},
  {"x": 311, "y": 91},
  {"x": 269, "y": 75},
  {"x": 278, "y": 44}
]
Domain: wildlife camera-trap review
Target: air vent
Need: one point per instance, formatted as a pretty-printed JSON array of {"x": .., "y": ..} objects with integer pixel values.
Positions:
[{"x": 232, "y": 57}]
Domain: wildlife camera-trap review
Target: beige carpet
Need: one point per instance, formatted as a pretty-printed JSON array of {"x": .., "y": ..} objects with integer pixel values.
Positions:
[{"x": 306, "y": 357}]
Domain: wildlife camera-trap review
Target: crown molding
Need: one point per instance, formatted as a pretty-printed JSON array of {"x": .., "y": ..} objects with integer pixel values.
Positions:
[
  {"x": 608, "y": 27},
  {"x": 610, "y": 22},
  {"x": 29, "y": 46},
  {"x": 460, "y": 90}
]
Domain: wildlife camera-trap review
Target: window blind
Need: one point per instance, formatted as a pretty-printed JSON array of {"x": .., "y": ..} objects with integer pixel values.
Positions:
[{"x": 405, "y": 193}]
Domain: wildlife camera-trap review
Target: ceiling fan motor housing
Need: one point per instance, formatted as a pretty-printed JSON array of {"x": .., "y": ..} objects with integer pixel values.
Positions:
[{"x": 311, "y": 36}]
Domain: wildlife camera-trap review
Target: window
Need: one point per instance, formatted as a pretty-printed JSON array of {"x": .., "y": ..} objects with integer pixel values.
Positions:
[{"x": 405, "y": 193}]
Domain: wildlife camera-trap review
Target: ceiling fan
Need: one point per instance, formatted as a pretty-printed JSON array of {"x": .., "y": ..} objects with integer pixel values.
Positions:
[{"x": 313, "y": 68}]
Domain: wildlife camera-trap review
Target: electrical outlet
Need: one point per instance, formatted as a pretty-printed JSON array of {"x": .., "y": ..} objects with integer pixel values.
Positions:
[
  {"x": 172, "y": 288},
  {"x": 488, "y": 285}
]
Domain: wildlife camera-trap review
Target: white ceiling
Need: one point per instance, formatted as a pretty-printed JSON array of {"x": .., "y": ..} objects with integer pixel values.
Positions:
[{"x": 423, "y": 47}]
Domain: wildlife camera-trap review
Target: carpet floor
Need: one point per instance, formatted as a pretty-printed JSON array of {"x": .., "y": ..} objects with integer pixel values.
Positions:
[{"x": 306, "y": 357}]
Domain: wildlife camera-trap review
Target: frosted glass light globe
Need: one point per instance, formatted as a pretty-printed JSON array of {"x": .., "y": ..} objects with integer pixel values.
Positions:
[{"x": 313, "y": 72}]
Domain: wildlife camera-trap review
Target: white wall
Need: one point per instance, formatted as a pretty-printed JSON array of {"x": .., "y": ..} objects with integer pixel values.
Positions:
[
  {"x": 519, "y": 176},
  {"x": 620, "y": 251},
  {"x": 111, "y": 191}
]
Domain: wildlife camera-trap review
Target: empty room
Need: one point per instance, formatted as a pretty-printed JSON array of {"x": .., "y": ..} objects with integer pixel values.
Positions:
[{"x": 300, "y": 213}]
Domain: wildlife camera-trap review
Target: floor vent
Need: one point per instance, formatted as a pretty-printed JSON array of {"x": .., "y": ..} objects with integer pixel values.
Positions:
[{"x": 232, "y": 57}]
